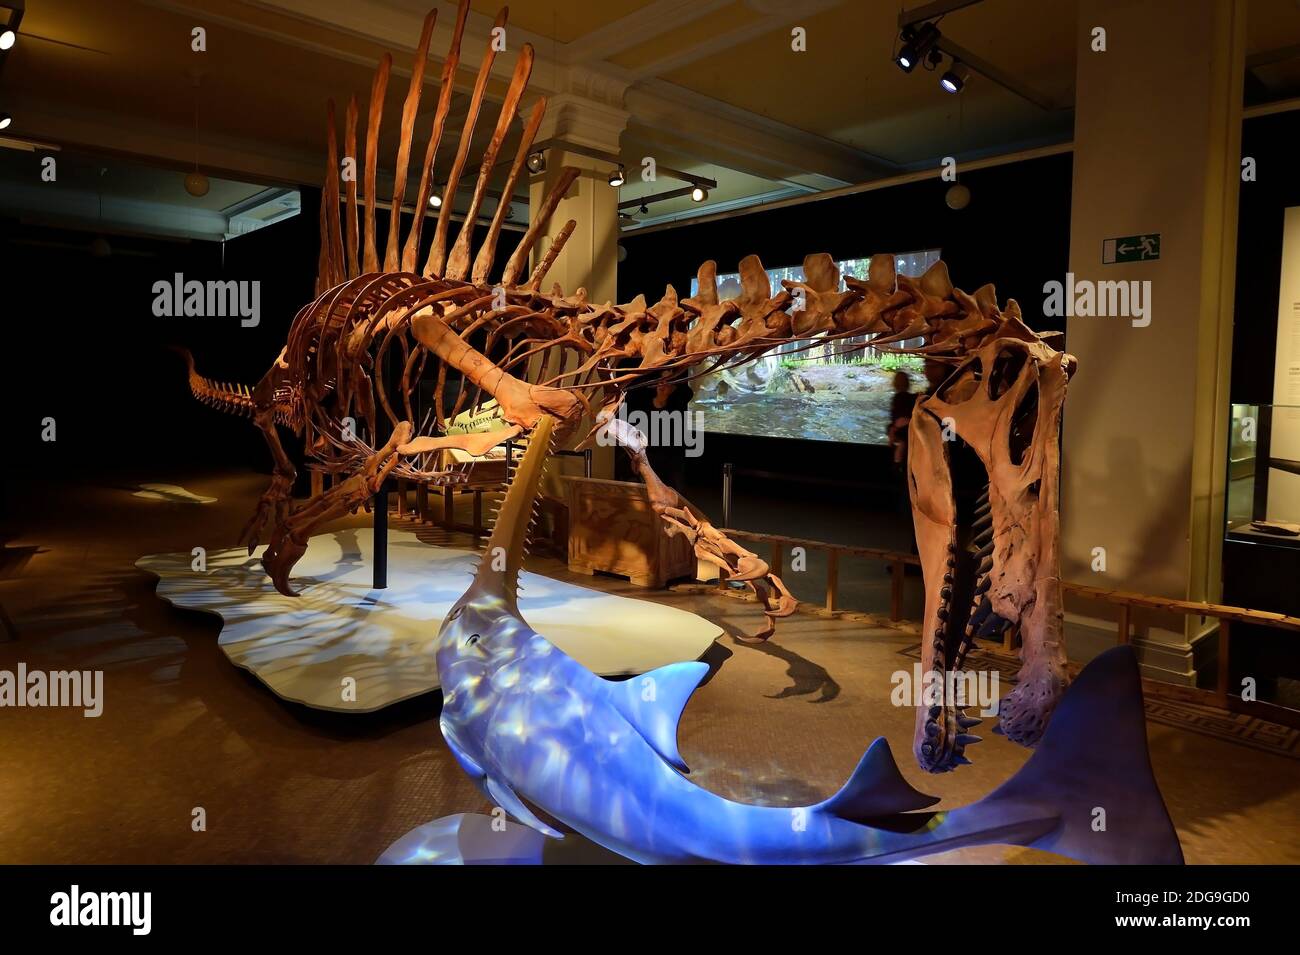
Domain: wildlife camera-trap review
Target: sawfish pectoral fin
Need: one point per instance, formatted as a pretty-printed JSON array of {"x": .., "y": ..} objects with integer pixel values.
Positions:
[
  {"x": 472, "y": 769},
  {"x": 505, "y": 797},
  {"x": 496, "y": 791},
  {"x": 875, "y": 789},
  {"x": 653, "y": 703}
]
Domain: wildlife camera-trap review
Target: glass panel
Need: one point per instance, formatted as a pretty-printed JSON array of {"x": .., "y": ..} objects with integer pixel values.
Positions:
[{"x": 1264, "y": 474}]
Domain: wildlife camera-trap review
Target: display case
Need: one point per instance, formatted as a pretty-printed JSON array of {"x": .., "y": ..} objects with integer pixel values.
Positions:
[{"x": 1264, "y": 475}]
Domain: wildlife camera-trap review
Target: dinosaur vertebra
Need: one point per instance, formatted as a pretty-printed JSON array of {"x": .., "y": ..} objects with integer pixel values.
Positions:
[{"x": 560, "y": 360}]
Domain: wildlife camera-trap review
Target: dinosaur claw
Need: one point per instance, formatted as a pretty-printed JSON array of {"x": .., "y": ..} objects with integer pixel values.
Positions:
[{"x": 750, "y": 568}]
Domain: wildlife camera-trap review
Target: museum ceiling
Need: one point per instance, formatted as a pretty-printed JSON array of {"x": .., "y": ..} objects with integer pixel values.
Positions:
[{"x": 704, "y": 82}]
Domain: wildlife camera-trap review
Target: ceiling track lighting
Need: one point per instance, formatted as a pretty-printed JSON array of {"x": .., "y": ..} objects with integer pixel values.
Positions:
[
  {"x": 536, "y": 161},
  {"x": 916, "y": 44},
  {"x": 5, "y": 120},
  {"x": 699, "y": 194},
  {"x": 954, "y": 80},
  {"x": 435, "y": 201},
  {"x": 12, "y": 20},
  {"x": 618, "y": 176}
]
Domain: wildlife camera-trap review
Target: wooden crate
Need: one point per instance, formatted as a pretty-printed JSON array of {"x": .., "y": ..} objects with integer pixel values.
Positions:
[{"x": 613, "y": 529}]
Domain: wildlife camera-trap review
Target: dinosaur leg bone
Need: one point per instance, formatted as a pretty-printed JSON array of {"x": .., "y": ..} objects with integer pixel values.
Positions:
[
  {"x": 709, "y": 543},
  {"x": 290, "y": 537},
  {"x": 274, "y": 501}
]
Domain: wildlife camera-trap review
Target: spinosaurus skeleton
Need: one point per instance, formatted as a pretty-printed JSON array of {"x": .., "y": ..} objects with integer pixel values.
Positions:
[{"x": 537, "y": 354}]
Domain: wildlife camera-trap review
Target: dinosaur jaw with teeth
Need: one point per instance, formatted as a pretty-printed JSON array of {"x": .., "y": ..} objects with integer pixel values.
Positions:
[{"x": 983, "y": 473}]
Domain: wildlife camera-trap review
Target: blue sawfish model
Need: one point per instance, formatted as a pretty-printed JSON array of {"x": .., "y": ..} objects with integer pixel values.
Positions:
[{"x": 533, "y": 727}]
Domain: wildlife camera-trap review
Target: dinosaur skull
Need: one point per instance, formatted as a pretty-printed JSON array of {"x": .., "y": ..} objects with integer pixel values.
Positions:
[{"x": 983, "y": 472}]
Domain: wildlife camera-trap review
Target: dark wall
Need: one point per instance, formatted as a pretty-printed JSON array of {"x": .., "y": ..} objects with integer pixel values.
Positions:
[
  {"x": 86, "y": 349},
  {"x": 1270, "y": 141},
  {"x": 83, "y": 346},
  {"x": 1015, "y": 233}
]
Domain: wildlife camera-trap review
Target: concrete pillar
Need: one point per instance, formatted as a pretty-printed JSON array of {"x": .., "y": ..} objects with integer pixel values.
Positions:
[
  {"x": 1157, "y": 150},
  {"x": 590, "y": 257}
]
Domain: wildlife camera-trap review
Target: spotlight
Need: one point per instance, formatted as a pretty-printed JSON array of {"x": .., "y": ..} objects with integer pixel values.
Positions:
[
  {"x": 536, "y": 162},
  {"x": 618, "y": 176},
  {"x": 916, "y": 43},
  {"x": 7, "y": 39},
  {"x": 699, "y": 194},
  {"x": 5, "y": 120},
  {"x": 435, "y": 201},
  {"x": 955, "y": 79}
]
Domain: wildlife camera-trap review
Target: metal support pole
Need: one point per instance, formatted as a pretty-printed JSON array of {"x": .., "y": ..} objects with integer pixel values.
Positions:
[
  {"x": 726, "y": 494},
  {"x": 380, "y": 505}
]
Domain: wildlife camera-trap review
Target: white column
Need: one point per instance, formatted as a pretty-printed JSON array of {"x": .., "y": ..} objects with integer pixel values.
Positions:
[{"x": 1157, "y": 150}]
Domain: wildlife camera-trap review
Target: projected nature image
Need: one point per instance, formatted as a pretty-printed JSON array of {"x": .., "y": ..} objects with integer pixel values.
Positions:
[{"x": 818, "y": 393}]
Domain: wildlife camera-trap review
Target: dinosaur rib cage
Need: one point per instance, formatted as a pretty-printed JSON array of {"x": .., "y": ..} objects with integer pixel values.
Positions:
[{"x": 339, "y": 346}]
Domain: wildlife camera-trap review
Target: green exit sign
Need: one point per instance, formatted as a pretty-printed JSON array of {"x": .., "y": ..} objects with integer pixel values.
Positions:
[{"x": 1130, "y": 248}]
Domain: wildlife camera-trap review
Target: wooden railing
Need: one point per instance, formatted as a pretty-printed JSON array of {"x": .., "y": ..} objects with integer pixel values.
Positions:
[
  {"x": 896, "y": 560},
  {"x": 1127, "y": 602}
]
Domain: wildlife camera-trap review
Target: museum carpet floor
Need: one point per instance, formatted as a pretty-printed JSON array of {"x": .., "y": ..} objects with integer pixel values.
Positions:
[{"x": 183, "y": 730}]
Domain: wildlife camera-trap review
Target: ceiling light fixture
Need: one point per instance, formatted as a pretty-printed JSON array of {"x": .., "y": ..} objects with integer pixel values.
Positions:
[
  {"x": 954, "y": 81},
  {"x": 916, "y": 44},
  {"x": 435, "y": 201},
  {"x": 618, "y": 177},
  {"x": 7, "y": 39},
  {"x": 536, "y": 161},
  {"x": 197, "y": 184},
  {"x": 5, "y": 120},
  {"x": 699, "y": 194}
]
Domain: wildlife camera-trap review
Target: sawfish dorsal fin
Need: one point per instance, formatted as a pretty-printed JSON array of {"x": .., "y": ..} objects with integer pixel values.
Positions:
[
  {"x": 875, "y": 789},
  {"x": 653, "y": 703}
]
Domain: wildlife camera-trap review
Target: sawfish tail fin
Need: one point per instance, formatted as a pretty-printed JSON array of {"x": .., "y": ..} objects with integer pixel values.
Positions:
[{"x": 1092, "y": 771}]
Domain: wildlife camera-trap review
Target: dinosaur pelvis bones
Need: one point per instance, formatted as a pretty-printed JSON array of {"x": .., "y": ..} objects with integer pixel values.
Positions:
[{"x": 983, "y": 468}]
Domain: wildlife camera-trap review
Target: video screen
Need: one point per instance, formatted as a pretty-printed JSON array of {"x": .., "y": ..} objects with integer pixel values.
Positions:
[{"x": 828, "y": 392}]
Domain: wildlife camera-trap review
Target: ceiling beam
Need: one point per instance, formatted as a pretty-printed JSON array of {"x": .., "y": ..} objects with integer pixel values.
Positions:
[
  {"x": 929, "y": 11},
  {"x": 693, "y": 116},
  {"x": 706, "y": 45},
  {"x": 652, "y": 20},
  {"x": 746, "y": 137}
]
